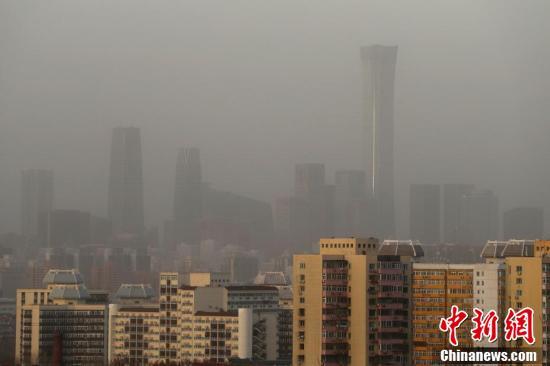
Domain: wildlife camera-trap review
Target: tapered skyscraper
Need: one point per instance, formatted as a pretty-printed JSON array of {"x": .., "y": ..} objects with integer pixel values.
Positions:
[
  {"x": 126, "y": 182},
  {"x": 378, "y": 78},
  {"x": 188, "y": 196}
]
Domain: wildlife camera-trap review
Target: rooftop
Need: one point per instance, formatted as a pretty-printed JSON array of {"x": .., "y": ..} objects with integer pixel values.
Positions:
[
  {"x": 271, "y": 278},
  {"x": 510, "y": 248},
  {"x": 401, "y": 247},
  {"x": 69, "y": 292},
  {"x": 135, "y": 291},
  {"x": 62, "y": 277}
]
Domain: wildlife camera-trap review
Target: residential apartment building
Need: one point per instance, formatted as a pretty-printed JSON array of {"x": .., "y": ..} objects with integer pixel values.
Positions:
[
  {"x": 134, "y": 326},
  {"x": 334, "y": 323},
  {"x": 527, "y": 284},
  {"x": 435, "y": 288},
  {"x": 203, "y": 324}
]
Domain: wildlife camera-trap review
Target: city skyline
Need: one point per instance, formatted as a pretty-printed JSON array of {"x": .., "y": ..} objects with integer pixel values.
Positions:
[
  {"x": 458, "y": 118},
  {"x": 287, "y": 183}
]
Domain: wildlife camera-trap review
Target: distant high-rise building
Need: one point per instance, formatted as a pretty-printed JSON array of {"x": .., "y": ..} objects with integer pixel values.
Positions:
[
  {"x": 523, "y": 223},
  {"x": 290, "y": 221},
  {"x": 478, "y": 218},
  {"x": 452, "y": 194},
  {"x": 309, "y": 180},
  {"x": 230, "y": 218},
  {"x": 425, "y": 213},
  {"x": 36, "y": 199},
  {"x": 378, "y": 75},
  {"x": 317, "y": 197},
  {"x": 126, "y": 182},
  {"x": 350, "y": 203},
  {"x": 65, "y": 228},
  {"x": 188, "y": 197}
]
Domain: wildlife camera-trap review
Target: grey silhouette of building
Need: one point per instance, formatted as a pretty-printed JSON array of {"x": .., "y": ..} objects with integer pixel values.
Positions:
[
  {"x": 425, "y": 213},
  {"x": 523, "y": 223},
  {"x": 188, "y": 197},
  {"x": 378, "y": 86},
  {"x": 479, "y": 218},
  {"x": 317, "y": 199},
  {"x": 65, "y": 229},
  {"x": 452, "y": 195},
  {"x": 126, "y": 182},
  {"x": 350, "y": 203},
  {"x": 37, "y": 196}
]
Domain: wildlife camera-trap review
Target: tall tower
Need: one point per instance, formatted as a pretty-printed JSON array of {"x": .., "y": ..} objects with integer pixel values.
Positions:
[
  {"x": 188, "y": 196},
  {"x": 378, "y": 77},
  {"x": 36, "y": 199},
  {"x": 126, "y": 182}
]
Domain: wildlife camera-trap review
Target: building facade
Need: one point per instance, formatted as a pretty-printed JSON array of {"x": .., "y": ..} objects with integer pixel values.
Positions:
[
  {"x": 62, "y": 324},
  {"x": 188, "y": 197},
  {"x": 125, "y": 204},
  {"x": 378, "y": 87},
  {"x": 37, "y": 198},
  {"x": 334, "y": 323}
]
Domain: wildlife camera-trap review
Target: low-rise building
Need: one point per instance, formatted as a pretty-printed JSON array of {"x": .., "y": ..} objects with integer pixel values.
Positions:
[{"x": 61, "y": 324}]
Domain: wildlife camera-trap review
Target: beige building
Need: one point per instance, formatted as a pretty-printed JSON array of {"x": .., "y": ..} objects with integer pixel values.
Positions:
[
  {"x": 62, "y": 323},
  {"x": 134, "y": 326},
  {"x": 200, "y": 279},
  {"x": 196, "y": 326},
  {"x": 326, "y": 286}
]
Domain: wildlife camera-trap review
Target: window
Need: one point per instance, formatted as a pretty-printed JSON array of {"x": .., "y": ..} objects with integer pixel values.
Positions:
[
  {"x": 302, "y": 312},
  {"x": 519, "y": 268},
  {"x": 519, "y": 281},
  {"x": 302, "y": 265}
]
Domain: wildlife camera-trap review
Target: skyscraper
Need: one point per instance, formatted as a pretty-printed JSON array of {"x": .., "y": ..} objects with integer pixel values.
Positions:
[
  {"x": 378, "y": 76},
  {"x": 452, "y": 194},
  {"x": 188, "y": 196},
  {"x": 36, "y": 199},
  {"x": 425, "y": 213},
  {"x": 126, "y": 182},
  {"x": 318, "y": 198}
]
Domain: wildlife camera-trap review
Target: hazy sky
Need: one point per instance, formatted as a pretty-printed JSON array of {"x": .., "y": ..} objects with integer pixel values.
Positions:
[{"x": 261, "y": 85}]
